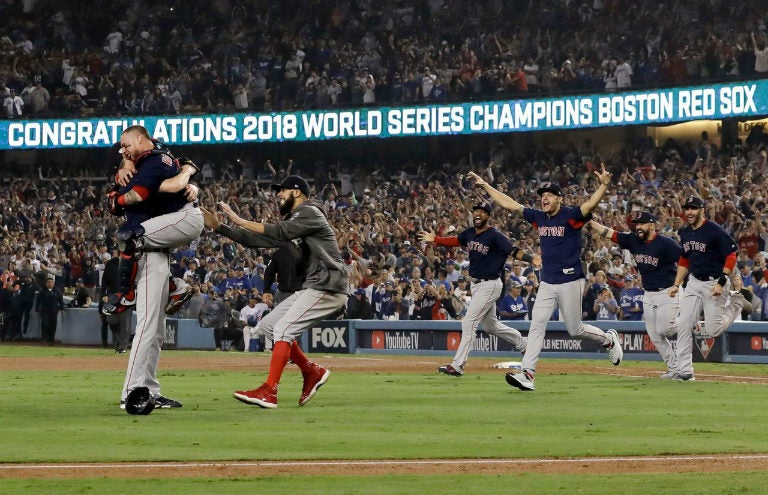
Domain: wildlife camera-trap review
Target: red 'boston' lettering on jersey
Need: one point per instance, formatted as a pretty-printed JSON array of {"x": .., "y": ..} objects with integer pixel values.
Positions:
[
  {"x": 551, "y": 231},
  {"x": 695, "y": 246},
  {"x": 477, "y": 246},
  {"x": 644, "y": 259}
]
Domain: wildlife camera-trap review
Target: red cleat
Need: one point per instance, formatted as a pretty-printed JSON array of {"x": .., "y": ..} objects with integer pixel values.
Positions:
[
  {"x": 264, "y": 396},
  {"x": 313, "y": 380}
]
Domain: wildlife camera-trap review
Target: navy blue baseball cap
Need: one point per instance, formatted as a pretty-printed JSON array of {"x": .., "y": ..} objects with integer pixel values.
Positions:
[
  {"x": 293, "y": 182},
  {"x": 693, "y": 201},
  {"x": 552, "y": 187},
  {"x": 484, "y": 205},
  {"x": 643, "y": 217}
]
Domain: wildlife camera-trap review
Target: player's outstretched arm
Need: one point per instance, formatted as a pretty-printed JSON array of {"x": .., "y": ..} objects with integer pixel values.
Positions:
[
  {"x": 600, "y": 229},
  {"x": 497, "y": 196},
  {"x": 604, "y": 180},
  {"x": 256, "y": 227}
]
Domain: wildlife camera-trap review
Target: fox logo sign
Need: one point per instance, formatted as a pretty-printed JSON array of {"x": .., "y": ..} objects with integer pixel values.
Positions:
[{"x": 329, "y": 339}]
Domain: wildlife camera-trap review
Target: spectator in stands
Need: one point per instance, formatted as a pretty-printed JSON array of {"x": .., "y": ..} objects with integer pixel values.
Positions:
[
  {"x": 48, "y": 304},
  {"x": 358, "y": 306},
  {"x": 512, "y": 305}
]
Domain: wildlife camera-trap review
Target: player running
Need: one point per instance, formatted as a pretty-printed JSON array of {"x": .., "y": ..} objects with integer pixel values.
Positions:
[
  {"x": 562, "y": 276},
  {"x": 488, "y": 251},
  {"x": 656, "y": 257},
  {"x": 708, "y": 258}
]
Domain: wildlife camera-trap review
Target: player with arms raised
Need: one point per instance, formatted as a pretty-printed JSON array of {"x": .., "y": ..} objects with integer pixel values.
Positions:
[{"x": 562, "y": 276}]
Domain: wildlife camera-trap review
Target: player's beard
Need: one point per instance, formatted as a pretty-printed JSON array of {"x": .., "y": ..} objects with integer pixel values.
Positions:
[
  {"x": 287, "y": 205},
  {"x": 641, "y": 233},
  {"x": 696, "y": 218}
]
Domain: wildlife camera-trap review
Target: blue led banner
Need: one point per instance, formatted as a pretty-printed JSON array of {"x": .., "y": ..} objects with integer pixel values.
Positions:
[{"x": 745, "y": 99}]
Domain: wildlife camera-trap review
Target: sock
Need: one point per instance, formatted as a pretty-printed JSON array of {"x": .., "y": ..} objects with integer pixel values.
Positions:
[
  {"x": 280, "y": 354},
  {"x": 299, "y": 358}
]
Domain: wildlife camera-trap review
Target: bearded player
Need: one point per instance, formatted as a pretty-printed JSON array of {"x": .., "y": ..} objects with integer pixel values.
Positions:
[
  {"x": 708, "y": 258},
  {"x": 656, "y": 258}
]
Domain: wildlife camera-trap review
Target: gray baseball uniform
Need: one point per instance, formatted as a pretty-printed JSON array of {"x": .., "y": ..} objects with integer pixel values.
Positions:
[
  {"x": 708, "y": 251},
  {"x": 161, "y": 234}
]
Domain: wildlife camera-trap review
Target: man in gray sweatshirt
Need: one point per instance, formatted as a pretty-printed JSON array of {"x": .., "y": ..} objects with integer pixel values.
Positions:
[{"x": 323, "y": 293}]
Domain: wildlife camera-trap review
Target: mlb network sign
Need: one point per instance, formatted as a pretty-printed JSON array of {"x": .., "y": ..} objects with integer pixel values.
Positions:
[{"x": 743, "y": 99}]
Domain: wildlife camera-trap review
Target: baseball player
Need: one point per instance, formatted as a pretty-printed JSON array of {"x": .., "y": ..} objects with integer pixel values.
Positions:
[
  {"x": 147, "y": 230},
  {"x": 488, "y": 251},
  {"x": 708, "y": 259},
  {"x": 562, "y": 277},
  {"x": 656, "y": 257},
  {"x": 324, "y": 291},
  {"x": 179, "y": 291}
]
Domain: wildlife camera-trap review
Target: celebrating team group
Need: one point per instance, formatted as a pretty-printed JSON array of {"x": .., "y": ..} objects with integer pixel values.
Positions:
[{"x": 162, "y": 212}]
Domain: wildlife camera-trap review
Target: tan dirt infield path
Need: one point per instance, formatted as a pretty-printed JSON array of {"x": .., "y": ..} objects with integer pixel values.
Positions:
[{"x": 371, "y": 364}]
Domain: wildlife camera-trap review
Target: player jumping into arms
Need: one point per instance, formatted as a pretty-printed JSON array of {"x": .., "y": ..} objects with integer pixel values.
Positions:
[
  {"x": 708, "y": 258},
  {"x": 155, "y": 222},
  {"x": 656, "y": 257},
  {"x": 324, "y": 291},
  {"x": 562, "y": 277},
  {"x": 488, "y": 251}
]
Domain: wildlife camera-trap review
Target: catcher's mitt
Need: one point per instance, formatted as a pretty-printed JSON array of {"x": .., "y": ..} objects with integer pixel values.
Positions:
[
  {"x": 139, "y": 402},
  {"x": 183, "y": 160}
]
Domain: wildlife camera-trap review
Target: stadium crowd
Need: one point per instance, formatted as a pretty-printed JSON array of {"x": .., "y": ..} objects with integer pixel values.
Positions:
[
  {"x": 62, "y": 228},
  {"x": 212, "y": 51},
  {"x": 234, "y": 55}
]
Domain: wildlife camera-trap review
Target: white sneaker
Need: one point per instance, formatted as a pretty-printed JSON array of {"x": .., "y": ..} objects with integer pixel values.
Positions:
[
  {"x": 685, "y": 377},
  {"x": 669, "y": 375},
  {"x": 615, "y": 352},
  {"x": 522, "y": 380}
]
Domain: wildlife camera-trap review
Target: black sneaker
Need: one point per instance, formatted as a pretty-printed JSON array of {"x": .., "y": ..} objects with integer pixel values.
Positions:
[
  {"x": 166, "y": 403},
  {"x": 449, "y": 370}
]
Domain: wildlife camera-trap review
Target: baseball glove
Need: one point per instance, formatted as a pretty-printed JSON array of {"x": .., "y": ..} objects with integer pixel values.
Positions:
[
  {"x": 183, "y": 160},
  {"x": 252, "y": 321},
  {"x": 112, "y": 205},
  {"x": 139, "y": 402}
]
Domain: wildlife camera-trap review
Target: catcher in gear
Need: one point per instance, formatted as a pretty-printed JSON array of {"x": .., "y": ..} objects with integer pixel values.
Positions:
[{"x": 131, "y": 241}]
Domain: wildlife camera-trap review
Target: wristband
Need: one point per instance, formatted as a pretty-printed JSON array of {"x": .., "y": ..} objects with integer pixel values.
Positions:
[{"x": 723, "y": 278}]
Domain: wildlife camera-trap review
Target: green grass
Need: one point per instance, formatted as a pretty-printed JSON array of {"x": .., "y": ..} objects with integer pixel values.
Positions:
[
  {"x": 72, "y": 416},
  {"x": 464, "y": 484}
]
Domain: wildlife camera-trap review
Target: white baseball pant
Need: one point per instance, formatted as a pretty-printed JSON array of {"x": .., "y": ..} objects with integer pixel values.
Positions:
[
  {"x": 566, "y": 297},
  {"x": 161, "y": 234},
  {"x": 661, "y": 315},
  {"x": 719, "y": 312},
  {"x": 481, "y": 312},
  {"x": 298, "y": 312}
]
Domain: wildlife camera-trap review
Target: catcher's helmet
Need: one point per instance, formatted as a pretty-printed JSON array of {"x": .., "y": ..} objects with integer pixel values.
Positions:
[{"x": 139, "y": 401}]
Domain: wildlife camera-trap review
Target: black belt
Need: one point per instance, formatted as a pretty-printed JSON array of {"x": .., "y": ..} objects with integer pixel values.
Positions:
[
  {"x": 707, "y": 277},
  {"x": 478, "y": 280}
]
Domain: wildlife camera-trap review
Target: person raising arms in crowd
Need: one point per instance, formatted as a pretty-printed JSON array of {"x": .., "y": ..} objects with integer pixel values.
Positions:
[{"x": 562, "y": 277}]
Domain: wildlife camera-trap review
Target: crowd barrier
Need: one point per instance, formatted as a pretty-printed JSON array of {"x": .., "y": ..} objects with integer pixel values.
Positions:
[{"x": 745, "y": 341}]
